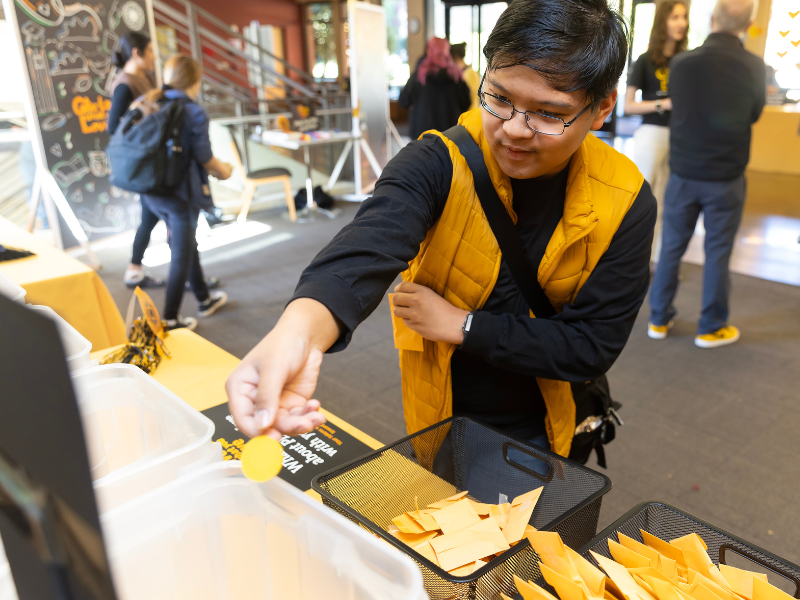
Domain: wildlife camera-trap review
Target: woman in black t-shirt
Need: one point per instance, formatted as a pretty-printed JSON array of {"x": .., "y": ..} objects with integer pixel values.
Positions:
[{"x": 650, "y": 74}]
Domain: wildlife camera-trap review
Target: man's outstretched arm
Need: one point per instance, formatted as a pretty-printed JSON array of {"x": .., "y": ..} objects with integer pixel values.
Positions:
[{"x": 271, "y": 390}]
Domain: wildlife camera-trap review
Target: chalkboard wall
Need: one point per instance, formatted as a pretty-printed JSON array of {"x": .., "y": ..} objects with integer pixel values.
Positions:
[{"x": 67, "y": 53}]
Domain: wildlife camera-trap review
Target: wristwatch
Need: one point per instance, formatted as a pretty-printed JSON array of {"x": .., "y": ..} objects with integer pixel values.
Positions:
[
  {"x": 659, "y": 109},
  {"x": 467, "y": 324}
]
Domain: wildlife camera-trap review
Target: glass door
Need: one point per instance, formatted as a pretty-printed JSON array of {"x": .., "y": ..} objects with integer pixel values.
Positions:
[{"x": 472, "y": 23}]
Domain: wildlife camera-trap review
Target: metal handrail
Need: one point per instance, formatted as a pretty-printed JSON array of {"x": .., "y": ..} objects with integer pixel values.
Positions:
[
  {"x": 184, "y": 20},
  {"x": 307, "y": 76}
]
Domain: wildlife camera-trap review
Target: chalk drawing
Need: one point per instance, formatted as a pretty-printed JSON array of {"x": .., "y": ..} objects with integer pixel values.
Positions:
[
  {"x": 83, "y": 83},
  {"x": 43, "y": 92},
  {"x": 33, "y": 34},
  {"x": 55, "y": 150},
  {"x": 69, "y": 63},
  {"x": 53, "y": 122},
  {"x": 68, "y": 140},
  {"x": 69, "y": 171},
  {"x": 133, "y": 15}
]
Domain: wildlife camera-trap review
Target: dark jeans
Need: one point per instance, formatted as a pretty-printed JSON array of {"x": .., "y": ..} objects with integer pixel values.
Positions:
[
  {"x": 721, "y": 203},
  {"x": 181, "y": 220},
  {"x": 142, "y": 237}
]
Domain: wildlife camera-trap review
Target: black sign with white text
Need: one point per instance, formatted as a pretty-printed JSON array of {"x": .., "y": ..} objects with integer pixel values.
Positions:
[{"x": 304, "y": 456}]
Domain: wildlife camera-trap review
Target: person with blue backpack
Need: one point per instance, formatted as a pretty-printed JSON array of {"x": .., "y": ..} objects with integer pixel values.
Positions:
[{"x": 163, "y": 151}]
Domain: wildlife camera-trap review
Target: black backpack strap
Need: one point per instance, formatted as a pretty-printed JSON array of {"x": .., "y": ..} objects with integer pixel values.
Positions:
[{"x": 502, "y": 226}]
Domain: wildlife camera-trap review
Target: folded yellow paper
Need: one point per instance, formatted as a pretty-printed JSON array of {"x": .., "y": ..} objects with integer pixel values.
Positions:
[
  {"x": 531, "y": 591},
  {"x": 553, "y": 553},
  {"x": 664, "y": 548},
  {"x": 518, "y": 518},
  {"x": 591, "y": 575},
  {"x": 627, "y": 558},
  {"x": 646, "y": 551},
  {"x": 486, "y": 531},
  {"x": 740, "y": 581},
  {"x": 458, "y": 516},
  {"x": 407, "y": 524},
  {"x": 414, "y": 539},
  {"x": 763, "y": 590},
  {"x": 622, "y": 579},
  {"x": 565, "y": 588}
]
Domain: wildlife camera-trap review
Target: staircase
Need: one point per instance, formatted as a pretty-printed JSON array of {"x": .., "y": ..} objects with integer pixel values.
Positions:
[{"x": 241, "y": 77}]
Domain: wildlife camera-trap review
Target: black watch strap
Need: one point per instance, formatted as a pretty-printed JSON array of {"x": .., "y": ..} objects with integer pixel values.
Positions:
[{"x": 467, "y": 323}]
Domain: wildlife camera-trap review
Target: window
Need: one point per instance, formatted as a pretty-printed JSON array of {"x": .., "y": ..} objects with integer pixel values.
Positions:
[
  {"x": 322, "y": 41},
  {"x": 782, "y": 52},
  {"x": 397, "y": 40}
]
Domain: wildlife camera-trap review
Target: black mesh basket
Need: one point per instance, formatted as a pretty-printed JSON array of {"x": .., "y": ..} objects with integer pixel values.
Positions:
[
  {"x": 668, "y": 523},
  {"x": 455, "y": 455}
]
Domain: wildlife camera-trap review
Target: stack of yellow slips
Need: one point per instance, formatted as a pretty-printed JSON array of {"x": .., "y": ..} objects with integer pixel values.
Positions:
[
  {"x": 653, "y": 570},
  {"x": 461, "y": 535}
]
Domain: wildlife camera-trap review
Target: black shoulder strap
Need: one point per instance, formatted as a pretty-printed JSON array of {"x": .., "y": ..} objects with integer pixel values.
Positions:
[{"x": 502, "y": 226}]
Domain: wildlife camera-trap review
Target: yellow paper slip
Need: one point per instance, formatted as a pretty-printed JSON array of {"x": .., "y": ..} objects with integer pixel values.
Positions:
[
  {"x": 663, "y": 547},
  {"x": 722, "y": 592},
  {"x": 650, "y": 571},
  {"x": 740, "y": 581},
  {"x": 622, "y": 579},
  {"x": 458, "y": 516},
  {"x": 553, "y": 553},
  {"x": 627, "y": 558},
  {"x": 481, "y": 509},
  {"x": 664, "y": 590},
  {"x": 533, "y": 495},
  {"x": 414, "y": 539},
  {"x": 426, "y": 520},
  {"x": 531, "y": 591},
  {"x": 766, "y": 591},
  {"x": 518, "y": 518},
  {"x": 591, "y": 575},
  {"x": 486, "y": 531},
  {"x": 565, "y": 588},
  {"x": 458, "y": 557},
  {"x": 428, "y": 552},
  {"x": 407, "y": 524},
  {"x": 646, "y": 551}
]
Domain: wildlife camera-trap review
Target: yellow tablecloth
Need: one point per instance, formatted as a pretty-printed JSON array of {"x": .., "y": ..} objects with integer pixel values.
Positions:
[
  {"x": 72, "y": 289},
  {"x": 197, "y": 372}
]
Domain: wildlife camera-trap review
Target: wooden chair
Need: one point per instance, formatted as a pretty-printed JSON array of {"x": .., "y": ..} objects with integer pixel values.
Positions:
[{"x": 253, "y": 179}]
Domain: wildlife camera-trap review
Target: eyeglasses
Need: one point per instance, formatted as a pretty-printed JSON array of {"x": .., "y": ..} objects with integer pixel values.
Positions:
[{"x": 538, "y": 122}]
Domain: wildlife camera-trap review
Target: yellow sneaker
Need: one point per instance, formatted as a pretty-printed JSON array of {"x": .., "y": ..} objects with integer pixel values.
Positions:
[
  {"x": 658, "y": 332},
  {"x": 721, "y": 337}
]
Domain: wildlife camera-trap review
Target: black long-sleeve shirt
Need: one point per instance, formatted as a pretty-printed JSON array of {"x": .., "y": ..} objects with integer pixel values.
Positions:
[
  {"x": 718, "y": 91},
  {"x": 505, "y": 350},
  {"x": 120, "y": 103}
]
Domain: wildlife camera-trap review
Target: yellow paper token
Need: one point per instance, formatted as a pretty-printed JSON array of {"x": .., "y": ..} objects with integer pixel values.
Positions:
[{"x": 262, "y": 458}]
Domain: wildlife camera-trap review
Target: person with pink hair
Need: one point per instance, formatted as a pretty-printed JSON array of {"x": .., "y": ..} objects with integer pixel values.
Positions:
[{"x": 436, "y": 93}]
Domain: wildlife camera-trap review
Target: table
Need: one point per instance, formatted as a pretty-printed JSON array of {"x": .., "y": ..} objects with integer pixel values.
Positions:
[
  {"x": 69, "y": 287},
  {"x": 776, "y": 141},
  {"x": 273, "y": 138},
  {"x": 197, "y": 372}
]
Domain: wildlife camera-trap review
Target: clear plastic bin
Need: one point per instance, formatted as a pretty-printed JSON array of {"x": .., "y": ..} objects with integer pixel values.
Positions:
[
  {"x": 76, "y": 347},
  {"x": 11, "y": 289},
  {"x": 140, "y": 435},
  {"x": 214, "y": 534}
]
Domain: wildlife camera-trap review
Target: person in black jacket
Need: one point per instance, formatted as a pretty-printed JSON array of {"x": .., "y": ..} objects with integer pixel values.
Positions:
[
  {"x": 436, "y": 93},
  {"x": 718, "y": 91},
  {"x": 135, "y": 60}
]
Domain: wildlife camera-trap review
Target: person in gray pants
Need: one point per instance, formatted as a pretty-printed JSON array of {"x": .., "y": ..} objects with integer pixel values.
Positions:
[{"x": 718, "y": 91}]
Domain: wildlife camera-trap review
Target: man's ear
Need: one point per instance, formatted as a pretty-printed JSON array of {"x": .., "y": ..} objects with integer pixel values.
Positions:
[{"x": 606, "y": 106}]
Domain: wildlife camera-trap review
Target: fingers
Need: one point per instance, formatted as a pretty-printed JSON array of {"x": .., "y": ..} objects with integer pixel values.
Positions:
[
  {"x": 241, "y": 388},
  {"x": 406, "y": 287},
  {"x": 403, "y": 312}
]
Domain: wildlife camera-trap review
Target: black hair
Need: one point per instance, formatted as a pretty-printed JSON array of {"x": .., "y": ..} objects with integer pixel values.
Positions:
[
  {"x": 127, "y": 43},
  {"x": 458, "y": 50},
  {"x": 574, "y": 44}
]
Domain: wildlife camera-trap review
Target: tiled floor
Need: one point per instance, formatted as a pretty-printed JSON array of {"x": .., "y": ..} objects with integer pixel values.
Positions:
[{"x": 715, "y": 432}]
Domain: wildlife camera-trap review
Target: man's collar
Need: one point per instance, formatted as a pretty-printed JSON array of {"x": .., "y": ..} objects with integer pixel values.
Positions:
[{"x": 723, "y": 39}]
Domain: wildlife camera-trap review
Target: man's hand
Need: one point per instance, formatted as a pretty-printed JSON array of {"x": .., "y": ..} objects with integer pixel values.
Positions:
[
  {"x": 666, "y": 104},
  {"x": 270, "y": 391},
  {"x": 427, "y": 313}
]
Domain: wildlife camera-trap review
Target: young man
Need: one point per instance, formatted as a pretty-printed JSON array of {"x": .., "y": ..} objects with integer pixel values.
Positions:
[
  {"x": 583, "y": 212},
  {"x": 718, "y": 91}
]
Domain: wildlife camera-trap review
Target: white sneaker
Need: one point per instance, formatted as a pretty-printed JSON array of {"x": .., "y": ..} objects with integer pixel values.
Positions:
[
  {"x": 216, "y": 300},
  {"x": 189, "y": 323},
  {"x": 658, "y": 332}
]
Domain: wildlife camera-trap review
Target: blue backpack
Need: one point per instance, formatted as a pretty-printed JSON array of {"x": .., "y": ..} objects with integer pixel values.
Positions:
[{"x": 146, "y": 153}]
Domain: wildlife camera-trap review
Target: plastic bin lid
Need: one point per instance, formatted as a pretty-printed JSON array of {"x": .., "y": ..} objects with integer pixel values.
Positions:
[{"x": 75, "y": 345}]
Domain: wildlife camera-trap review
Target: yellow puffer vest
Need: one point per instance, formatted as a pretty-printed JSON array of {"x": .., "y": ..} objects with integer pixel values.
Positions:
[{"x": 460, "y": 260}]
